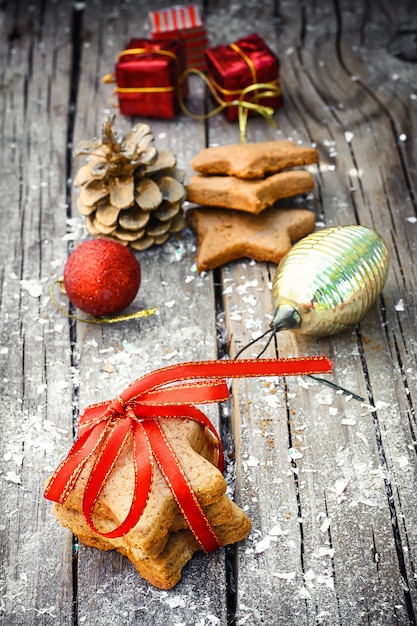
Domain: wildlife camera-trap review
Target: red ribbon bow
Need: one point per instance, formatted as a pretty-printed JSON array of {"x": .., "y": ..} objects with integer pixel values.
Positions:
[{"x": 105, "y": 427}]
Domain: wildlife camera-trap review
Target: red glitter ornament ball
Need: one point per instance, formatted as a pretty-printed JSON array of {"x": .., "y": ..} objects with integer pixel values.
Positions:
[{"x": 102, "y": 277}]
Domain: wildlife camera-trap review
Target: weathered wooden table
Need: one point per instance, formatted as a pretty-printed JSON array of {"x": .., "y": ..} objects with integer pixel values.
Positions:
[{"x": 329, "y": 483}]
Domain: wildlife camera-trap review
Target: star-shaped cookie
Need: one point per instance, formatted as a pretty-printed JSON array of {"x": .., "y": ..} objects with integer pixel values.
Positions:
[
  {"x": 197, "y": 451},
  {"x": 252, "y": 196},
  {"x": 225, "y": 236},
  {"x": 161, "y": 542},
  {"x": 253, "y": 160}
]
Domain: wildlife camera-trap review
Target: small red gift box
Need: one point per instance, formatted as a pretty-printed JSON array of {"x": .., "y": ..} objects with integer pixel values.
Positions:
[
  {"x": 186, "y": 23},
  {"x": 247, "y": 61},
  {"x": 148, "y": 75}
]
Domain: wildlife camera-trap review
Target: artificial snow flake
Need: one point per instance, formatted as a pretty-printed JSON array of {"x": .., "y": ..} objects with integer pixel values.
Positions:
[
  {"x": 263, "y": 545},
  {"x": 294, "y": 454},
  {"x": 402, "y": 462},
  {"x": 285, "y": 575},
  {"x": 341, "y": 486},
  {"x": 175, "y": 601},
  {"x": 304, "y": 593},
  {"x": 252, "y": 461},
  {"x": 277, "y": 531},
  {"x": 33, "y": 287},
  {"x": 12, "y": 477}
]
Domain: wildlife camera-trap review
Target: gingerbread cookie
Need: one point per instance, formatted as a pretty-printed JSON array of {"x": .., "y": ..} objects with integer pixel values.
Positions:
[
  {"x": 161, "y": 542},
  {"x": 252, "y": 196},
  {"x": 197, "y": 452},
  {"x": 164, "y": 569},
  {"x": 253, "y": 160},
  {"x": 225, "y": 236}
]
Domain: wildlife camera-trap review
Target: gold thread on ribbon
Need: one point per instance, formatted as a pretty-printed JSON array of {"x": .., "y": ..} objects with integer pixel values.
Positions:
[{"x": 95, "y": 320}]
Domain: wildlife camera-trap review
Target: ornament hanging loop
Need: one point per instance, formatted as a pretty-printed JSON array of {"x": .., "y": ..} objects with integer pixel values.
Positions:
[
  {"x": 94, "y": 320},
  {"x": 272, "y": 331}
]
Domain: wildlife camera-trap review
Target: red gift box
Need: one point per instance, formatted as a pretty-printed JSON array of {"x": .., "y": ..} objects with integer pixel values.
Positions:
[
  {"x": 147, "y": 75},
  {"x": 247, "y": 61},
  {"x": 186, "y": 23}
]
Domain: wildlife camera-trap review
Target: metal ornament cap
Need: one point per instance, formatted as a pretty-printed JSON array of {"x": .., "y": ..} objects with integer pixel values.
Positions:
[{"x": 329, "y": 280}]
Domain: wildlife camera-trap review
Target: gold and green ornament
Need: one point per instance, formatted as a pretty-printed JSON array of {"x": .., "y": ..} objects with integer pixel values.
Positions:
[
  {"x": 329, "y": 280},
  {"x": 129, "y": 190}
]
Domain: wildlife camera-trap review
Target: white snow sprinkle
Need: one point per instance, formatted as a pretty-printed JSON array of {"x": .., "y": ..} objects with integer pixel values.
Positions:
[
  {"x": 69, "y": 237},
  {"x": 402, "y": 461},
  {"x": 12, "y": 477},
  {"x": 277, "y": 531},
  {"x": 175, "y": 601},
  {"x": 304, "y": 593},
  {"x": 341, "y": 486},
  {"x": 171, "y": 355},
  {"x": 294, "y": 454},
  {"x": 241, "y": 289},
  {"x": 263, "y": 545},
  {"x": 323, "y": 551},
  {"x": 400, "y": 305},
  {"x": 33, "y": 287},
  {"x": 285, "y": 575},
  {"x": 326, "y": 580}
]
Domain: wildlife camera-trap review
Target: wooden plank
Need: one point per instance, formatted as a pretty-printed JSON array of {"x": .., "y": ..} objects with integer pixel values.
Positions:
[
  {"x": 35, "y": 366},
  {"x": 110, "y": 357},
  {"x": 327, "y": 481},
  {"x": 315, "y": 580}
]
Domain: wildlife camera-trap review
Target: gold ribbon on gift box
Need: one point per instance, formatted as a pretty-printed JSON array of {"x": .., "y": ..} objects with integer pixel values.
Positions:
[
  {"x": 259, "y": 90},
  {"x": 256, "y": 90},
  {"x": 110, "y": 78}
]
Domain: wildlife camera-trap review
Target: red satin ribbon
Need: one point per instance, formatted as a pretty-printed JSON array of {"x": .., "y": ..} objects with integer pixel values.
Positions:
[{"x": 104, "y": 429}]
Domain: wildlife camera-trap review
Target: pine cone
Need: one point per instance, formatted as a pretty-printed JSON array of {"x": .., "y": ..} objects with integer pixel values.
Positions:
[{"x": 129, "y": 190}]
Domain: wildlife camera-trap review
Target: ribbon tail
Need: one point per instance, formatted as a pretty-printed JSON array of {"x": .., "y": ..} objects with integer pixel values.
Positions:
[
  {"x": 67, "y": 472},
  {"x": 111, "y": 449},
  {"x": 181, "y": 488},
  {"x": 109, "y": 454},
  {"x": 243, "y": 368}
]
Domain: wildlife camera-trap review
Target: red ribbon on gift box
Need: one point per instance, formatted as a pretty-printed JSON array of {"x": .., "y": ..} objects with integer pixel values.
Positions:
[{"x": 170, "y": 392}]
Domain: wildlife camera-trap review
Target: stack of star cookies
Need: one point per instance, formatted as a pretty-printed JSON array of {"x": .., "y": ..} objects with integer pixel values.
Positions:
[
  {"x": 237, "y": 187},
  {"x": 161, "y": 542}
]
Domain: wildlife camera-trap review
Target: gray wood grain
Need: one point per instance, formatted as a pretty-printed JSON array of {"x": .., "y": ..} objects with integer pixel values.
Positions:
[{"x": 328, "y": 481}]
